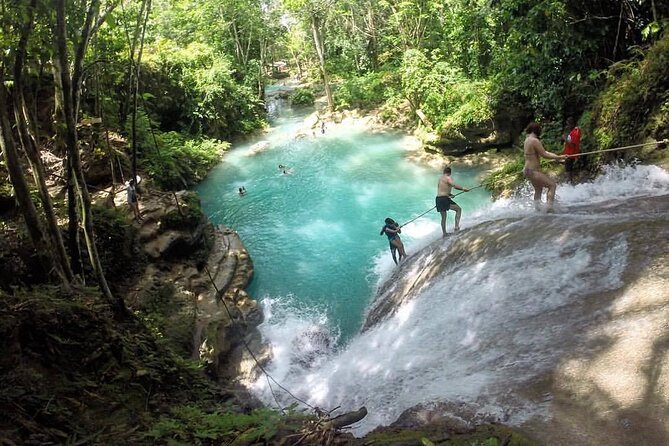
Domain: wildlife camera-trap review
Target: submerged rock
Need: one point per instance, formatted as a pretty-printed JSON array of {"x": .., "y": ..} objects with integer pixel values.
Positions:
[{"x": 312, "y": 343}]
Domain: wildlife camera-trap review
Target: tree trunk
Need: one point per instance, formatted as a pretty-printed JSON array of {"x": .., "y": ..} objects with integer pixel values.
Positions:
[
  {"x": 145, "y": 11},
  {"x": 71, "y": 94},
  {"x": 30, "y": 147},
  {"x": 318, "y": 42},
  {"x": 22, "y": 192},
  {"x": 73, "y": 217},
  {"x": 297, "y": 63}
]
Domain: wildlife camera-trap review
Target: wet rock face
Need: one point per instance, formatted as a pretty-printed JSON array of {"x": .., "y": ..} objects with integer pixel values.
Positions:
[
  {"x": 500, "y": 132},
  {"x": 195, "y": 281},
  {"x": 565, "y": 315}
]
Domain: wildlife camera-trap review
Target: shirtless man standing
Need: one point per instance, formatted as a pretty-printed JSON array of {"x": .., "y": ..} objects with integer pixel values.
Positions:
[
  {"x": 533, "y": 150},
  {"x": 444, "y": 202}
]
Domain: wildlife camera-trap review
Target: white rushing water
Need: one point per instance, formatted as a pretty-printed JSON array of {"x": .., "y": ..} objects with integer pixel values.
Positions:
[{"x": 483, "y": 326}]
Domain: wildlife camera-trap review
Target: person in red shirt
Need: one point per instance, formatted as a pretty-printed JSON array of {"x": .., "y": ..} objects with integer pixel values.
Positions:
[{"x": 572, "y": 147}]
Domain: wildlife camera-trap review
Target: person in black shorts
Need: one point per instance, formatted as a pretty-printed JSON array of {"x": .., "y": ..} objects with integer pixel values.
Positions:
[{"x": 444, "y": 202}]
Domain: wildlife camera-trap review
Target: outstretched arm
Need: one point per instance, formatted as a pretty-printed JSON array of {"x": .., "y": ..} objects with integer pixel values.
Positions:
[{"x": 545, "y": 153}]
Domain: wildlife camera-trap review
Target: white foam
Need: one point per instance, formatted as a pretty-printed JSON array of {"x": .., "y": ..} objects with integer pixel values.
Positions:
[{"x": 469, "y": 332}]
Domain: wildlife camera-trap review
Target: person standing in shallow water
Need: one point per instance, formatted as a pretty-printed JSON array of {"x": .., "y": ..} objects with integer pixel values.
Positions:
[
  {"x": 392, "y": 230},
  {"x": 533, "y": 151},
  {"x": 444, "y": 203}
]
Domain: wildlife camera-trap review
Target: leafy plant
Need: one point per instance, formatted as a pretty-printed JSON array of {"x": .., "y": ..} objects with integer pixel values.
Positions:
[
  {"x": 365, "y": 91},
  {"x": 302, "y": 96},
  {"x": 117, "y": 243},
  {"x": 192, "y": 425},
  {"x": 187, "y": 216},
  {"x": 181, "y": 161}
]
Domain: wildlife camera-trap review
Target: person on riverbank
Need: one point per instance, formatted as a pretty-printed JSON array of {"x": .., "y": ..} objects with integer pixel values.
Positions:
[
  {"x": 572, "y": 147},
  {"x": 444, "y": 203},
  {"x": 533, "y": 150},
  {"x": 133, "y": 200},
  {"x": 392, "y": 230}
]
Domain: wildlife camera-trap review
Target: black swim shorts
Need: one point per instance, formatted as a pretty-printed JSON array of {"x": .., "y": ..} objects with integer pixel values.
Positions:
[{"x": 444, "y": 203}]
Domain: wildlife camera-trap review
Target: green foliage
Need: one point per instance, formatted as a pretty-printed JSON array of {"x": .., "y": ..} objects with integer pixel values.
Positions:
[
  {"x": 181, "y": 161},
  {"x": 366, "y": 91},
  {"x": 117, "y": 244},
  {"x": 74, "y": 374},
  {"x": 188, "y": 216},
  {"x": 191, "y": 425},
  {"x": 510, "y": 172},
  {"x": 302, "y": 96},
  {"x": 634, "y": 104},
  {"x": 448, "y": 99},
  {"x": 214, "y": 102}
]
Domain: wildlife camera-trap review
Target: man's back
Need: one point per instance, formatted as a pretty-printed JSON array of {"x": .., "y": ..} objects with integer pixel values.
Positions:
[{"x": 444, "y": 186}]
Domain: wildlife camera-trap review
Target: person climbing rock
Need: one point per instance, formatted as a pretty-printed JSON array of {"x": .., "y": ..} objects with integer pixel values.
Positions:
[
  {"x": 444, "y": 202},
  {"x": 392, "y": 230}
]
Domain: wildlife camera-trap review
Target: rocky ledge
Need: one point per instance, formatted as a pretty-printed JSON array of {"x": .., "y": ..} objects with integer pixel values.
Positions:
[{"x": 194, "y": 284}]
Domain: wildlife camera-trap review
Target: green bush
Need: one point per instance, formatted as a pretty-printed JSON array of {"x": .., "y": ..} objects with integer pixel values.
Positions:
[
  {"x": 214, "y": 102},
  {"x": 365, "y": 92},
  {"x": 635, "y": 104},
  {"x": 180, "y": 161},
  {"x": 191, "y": 425},
  {"x": 117, "y": 244},
  {"x": 187, "y": 216},
  {"x": 302, "y": 96},
  {"x": 449, "y": 99}
]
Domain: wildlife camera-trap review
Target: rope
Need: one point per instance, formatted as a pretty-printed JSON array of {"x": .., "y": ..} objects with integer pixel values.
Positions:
[
  {"x": 416, "y": 218},
  {"x": 246, "y": 345},
  {"x": 234, "y": 321},
  {"x": 664, "y": 141}
]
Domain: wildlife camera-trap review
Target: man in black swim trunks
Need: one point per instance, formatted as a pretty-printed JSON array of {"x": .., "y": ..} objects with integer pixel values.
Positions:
[{"x": 444, "y": 202}]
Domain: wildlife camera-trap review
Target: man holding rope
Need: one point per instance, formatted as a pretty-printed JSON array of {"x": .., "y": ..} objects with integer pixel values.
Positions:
[
  {"x": 533, "y": 150},
  {"x": 445, "y": 203}
]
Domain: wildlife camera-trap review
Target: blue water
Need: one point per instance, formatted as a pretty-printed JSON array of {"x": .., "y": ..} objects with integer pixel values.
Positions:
[{"x": 313, "y": 234}]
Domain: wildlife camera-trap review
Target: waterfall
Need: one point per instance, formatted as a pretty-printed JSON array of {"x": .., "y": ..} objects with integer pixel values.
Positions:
[{"x": 500, "y": 316}]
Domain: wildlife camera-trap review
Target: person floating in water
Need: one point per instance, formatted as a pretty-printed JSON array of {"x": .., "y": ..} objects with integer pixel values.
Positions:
[
  {"x": 242, "y": 191},
  {"x": 533, "y": 150},
  {"x": 444, "y": 203},
  {"x": 392, "y": 230}
]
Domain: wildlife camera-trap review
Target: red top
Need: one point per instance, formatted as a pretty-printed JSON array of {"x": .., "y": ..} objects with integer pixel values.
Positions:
[{"x": 572, "y": 145}]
